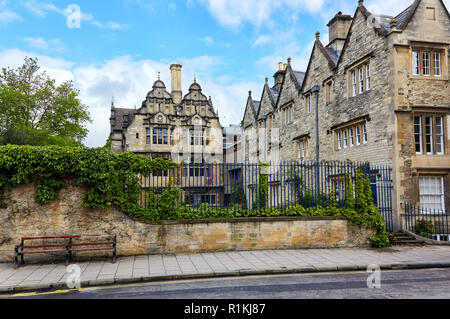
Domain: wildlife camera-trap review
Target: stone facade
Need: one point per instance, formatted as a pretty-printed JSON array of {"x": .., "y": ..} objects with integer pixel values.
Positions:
[
  {"x": 168, "y": 126},
  {"x": 65, "y": 216},
  {"x": 369, "y": 99}
]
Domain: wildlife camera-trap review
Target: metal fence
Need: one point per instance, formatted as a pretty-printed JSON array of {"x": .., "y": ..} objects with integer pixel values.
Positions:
[
  {"x": 429, "y": 223},
  {"x": 306, "y": 183}
]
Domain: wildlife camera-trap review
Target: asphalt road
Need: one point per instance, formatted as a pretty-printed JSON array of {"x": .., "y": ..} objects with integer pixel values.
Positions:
[{"x": 422, "y": 284}]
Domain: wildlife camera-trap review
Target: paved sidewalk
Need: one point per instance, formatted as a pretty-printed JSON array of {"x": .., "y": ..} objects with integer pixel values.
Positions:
[{"x": 164, "y": 267}]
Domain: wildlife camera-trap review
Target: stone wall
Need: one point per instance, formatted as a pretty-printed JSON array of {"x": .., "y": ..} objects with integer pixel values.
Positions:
[{"x": 65, "y": 216}]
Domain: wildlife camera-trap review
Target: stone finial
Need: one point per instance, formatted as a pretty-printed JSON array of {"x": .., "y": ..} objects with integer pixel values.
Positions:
[
  {"x": 159, "y": 75},
  {"x": 393, "y": 23},
  {"x": 267, "y": 80},
  {"x": 317, "y": 35},
  {"x": 249, "y": 93},
  {"x": 112, "y": 102},
  {"x": 195, "y": 78},
  {"x": 289, "y": 60},
  {"x": 360, "y": 2}
]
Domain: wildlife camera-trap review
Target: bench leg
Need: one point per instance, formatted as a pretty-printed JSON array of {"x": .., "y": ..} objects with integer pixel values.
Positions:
[
  {"x": 16, "y": 257},
  {"x": 114, "y": 249}
]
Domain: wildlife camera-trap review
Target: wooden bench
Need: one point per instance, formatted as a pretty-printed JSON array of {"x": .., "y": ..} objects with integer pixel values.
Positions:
[{"x": 68, "y": 245}]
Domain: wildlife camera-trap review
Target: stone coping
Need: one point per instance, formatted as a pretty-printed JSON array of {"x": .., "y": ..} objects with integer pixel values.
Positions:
[{"x": 239, "y": 220}]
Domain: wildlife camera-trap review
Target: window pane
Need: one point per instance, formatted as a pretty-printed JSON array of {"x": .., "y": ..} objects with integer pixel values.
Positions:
[
  {"x": 439, "y": 135},
  {"x": 426, "y": 63},
  {"x": 364, "y": 133},
  {"x": 361, "y": 80},
  {"x": 431, "y": 192},
  {"x": 368, "y": 77},
  {"x": 354, "y": 83},
  {"x": 416, "y": 63},
  {"x": 351, "y": 136},
  {"x": 345, "y": 138},
  {"x": 428, "y": 135},
  {"x": 358, "y": 136},
  {"x": 437, "y": 63},
  {"x": 418, "y": 133}
]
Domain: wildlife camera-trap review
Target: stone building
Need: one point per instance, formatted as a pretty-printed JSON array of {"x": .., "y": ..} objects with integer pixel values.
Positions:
[
  {"x": 185, "y": 129},
  {"x": 383, "y": 97},
  {"x": 168, "y": 125}
]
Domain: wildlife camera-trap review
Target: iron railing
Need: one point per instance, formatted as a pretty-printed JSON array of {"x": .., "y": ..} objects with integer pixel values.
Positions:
[
  {"x": 426, "y": 222},
  {"x": 306, "y": 183}
]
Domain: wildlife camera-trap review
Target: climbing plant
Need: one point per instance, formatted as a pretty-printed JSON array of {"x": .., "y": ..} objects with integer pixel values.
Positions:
[{"x": 112, "y": 179}]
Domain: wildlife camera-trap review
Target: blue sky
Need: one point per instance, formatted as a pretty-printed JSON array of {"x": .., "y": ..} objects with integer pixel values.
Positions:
[{"x": 121, "y": 45}]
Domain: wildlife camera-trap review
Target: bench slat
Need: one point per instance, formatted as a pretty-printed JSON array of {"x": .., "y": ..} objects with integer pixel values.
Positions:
[
  {"x": 89, "y": 249},
  {"x": 92, "y": 244},
  {"x": 53, "y": 237},
  {"x": 40, "y": 252},
  {"x": 43, "y": 246}
]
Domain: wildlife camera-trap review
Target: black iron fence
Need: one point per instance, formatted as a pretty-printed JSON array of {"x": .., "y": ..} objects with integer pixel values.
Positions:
[
  {"x": 237, "y": 186},
  {"x": 428, "y": 223}
]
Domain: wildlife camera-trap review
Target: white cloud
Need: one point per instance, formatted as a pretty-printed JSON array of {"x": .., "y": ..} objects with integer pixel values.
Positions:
[
  {"x": 233, "y": 13},
  {"x": 41, "y": 9},
  {"x": 42, "y": 44},
  {"x": 263, "y": 39},
  {"x": 129, "y": 79},
  {"x": 7, "y": 16},
  {"x": 37, "y": 43},
  {"x": 208, "y": 40}
]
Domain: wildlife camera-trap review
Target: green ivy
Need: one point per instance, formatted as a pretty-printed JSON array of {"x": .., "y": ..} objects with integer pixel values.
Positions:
[{"x": 112, "y": 179}]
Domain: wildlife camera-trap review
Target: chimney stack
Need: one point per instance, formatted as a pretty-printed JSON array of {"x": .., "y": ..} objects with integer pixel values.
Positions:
[
  {"x": 338, "y": 29},
  {"x": 279, "y": 75},
  {"x": 175, "y": 74}
]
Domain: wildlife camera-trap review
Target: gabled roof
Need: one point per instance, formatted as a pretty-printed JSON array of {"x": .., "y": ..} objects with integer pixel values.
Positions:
[
  {"x": 122, "y": 118},
  {"x": 296, "y": 76},
  {"x": 330, "y": 54},
  {"x": 275, "y": 94},
  {"x": 256, "y": 106}
]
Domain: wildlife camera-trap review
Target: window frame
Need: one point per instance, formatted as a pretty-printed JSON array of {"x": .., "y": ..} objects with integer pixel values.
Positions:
[
  {"x": 427, "y": 59},
  {"x": 441, "y": 195},
  {"x": 436, "y": 131}
]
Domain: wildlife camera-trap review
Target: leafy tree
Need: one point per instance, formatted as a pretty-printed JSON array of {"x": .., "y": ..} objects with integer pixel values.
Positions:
[{"x": 35, "y": 110}]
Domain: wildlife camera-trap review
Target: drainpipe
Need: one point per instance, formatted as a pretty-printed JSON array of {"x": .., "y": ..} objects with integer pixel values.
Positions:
[{"x": 315, "y": 90}]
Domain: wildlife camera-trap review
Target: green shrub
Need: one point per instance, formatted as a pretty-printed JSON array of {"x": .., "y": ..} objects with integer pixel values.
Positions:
[
  {"x": 111, "y": 178},
  {"x": 424, "y": 228}
]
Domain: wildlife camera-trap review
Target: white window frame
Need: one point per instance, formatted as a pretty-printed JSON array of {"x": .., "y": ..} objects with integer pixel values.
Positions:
[
  {"x": 367, "y": 77},
  {"x": 423, "y": 188},
  {"x": 416, "y": 62},
  {"x": 420, "y": 134},
  {"x": 351, "y": 137},
  {"x": 361, "y": 80},
  {"x": 440, "y": 137},
  {"x": 358, "y": 135},
  {"x": 364, "y": 133},
  {"x": 426, "y": 63},
  {"x": 339, "y": 140},
  {"x": 353, "y": 83},
  {"x": 345, "y": 135},
  {"x": 429, "y": 135},
  {"x": 437, "y": 64}
]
